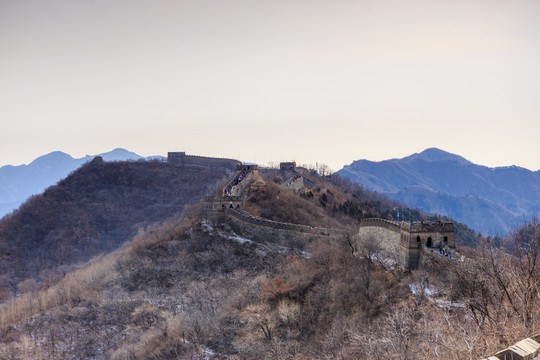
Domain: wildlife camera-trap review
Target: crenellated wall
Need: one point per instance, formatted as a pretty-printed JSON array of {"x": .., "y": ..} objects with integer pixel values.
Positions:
[
  {"x": 401, "y": 241},
  {"x": 180, "y": 158},
  {"x": 382, "y": 223},
  {"x": 384, "y": 237},
  {"x": 285, "y": 234},
  {"x": 246, "y": 175},
  {"x": 404, "y": 241}
]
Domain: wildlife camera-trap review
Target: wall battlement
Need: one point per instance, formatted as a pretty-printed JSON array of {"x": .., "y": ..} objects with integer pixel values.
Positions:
[
  {"x": 382, "y": 223},
  {"x": 180, "y": 158},
  {"x": 287, "y": 166},
  {"x": 429, "y": 226},
  {"x": 244, "y": 216},
  {"x": 275, "y": 232},
  {"x": 399, "y": 240},
  {"x": 404, "y": 241}
]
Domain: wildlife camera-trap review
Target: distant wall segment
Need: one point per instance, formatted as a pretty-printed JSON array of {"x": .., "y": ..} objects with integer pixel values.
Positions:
[{"x": 180, "y": 158}]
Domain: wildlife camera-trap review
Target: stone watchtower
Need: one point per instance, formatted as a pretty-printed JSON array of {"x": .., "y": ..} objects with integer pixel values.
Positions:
[
  {"x": 432, "y": 234},
  {"x": 425, "y": 234},
  {"x": 287, "y": 166},
  {"x": 405, "y": 241},
  {"x": 234, "y": 193},
  {"x": 176, "y": 157}
]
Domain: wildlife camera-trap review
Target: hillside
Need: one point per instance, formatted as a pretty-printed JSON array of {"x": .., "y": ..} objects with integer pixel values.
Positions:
[
  {"x": 192, "y": 289},
  {"x": 93, "y": 211},
  {"x": 18, "y": 183},
  {"x": 491, "y": 200}
]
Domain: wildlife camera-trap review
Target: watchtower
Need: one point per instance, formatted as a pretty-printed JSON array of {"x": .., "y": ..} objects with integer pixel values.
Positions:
[
  {"x": 403, "y": 241},
  {"x": 246, "y": 168},
  {"x": 432, "y": 234},
  {"x": 176, "y": 157},
  {"x": 287, "y": 166}
]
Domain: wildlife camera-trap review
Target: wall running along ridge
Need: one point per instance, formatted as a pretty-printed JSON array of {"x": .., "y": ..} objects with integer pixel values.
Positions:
[
  {"x": 285, "y": 234},
  {"x": 180, "y": 158}
]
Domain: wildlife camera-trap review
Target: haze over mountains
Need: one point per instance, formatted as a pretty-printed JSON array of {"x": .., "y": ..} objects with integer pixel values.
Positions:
[
  {"x": 18, "y": 183},
  {"x": 491, "y": 200}
]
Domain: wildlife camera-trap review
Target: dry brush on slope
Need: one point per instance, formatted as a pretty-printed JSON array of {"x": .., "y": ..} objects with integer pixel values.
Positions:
[
  {"x": 186, "y": 290},
  {"x": 93, "y": 211}
]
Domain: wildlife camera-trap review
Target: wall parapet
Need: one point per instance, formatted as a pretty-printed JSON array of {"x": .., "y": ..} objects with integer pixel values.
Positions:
[
  {"x": 182, "y": 158},
  {"x": 428, "y": 226},
  {"x": 244, "y": 216},
  {"x": 413, "y": 238},
  {"x": 383, "y": 223}
]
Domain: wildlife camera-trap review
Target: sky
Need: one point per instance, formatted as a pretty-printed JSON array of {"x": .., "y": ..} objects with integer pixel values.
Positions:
[{"x": 267, "y": 81}]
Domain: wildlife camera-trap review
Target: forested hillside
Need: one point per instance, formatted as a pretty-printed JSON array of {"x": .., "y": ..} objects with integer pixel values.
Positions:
[
  {"x": 190, "y": 289},
  {"x": 93, "y": 211},
  {"x": 18, "y": 183}
]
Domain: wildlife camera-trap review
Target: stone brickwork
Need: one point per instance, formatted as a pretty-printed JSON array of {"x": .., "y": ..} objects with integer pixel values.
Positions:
[
  {"x": 285, "y": 234},
  {"x": 295, "y": 183},
  {"x": 384, "y": 237},
  {"x": 404, "y": 241},
  {"x": 233, "y": 195},
  {"x": 430, "y": 233},
  {"x": 245, "y": 176},
  {"x": 180, "y": 158},
  {"x": 287, "y": 166},
  {"x": 401, "y": 241},
  {"x": 244, "y": 216}
]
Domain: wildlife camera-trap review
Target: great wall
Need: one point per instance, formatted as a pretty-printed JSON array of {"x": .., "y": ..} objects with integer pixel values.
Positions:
[
  {"x": 412, "y": 245},
  {"x": 409, "y": 244},
  {"x": 180, "y": 158},
  {"x": 228, "y": 208}
]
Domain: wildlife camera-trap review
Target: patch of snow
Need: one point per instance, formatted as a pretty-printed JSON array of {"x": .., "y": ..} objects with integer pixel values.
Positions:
[
  {"x": 206, "y": 227},
  {"x": 233, "y": 236},
  {"x": 386, "y": 261},
  {"x": 443, "y": 303},
  {"x": 431, "y": 293},
  {"x": 418, "y": 290}
]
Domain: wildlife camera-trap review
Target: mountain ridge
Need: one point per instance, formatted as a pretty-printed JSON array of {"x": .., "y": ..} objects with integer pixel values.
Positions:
[
  {"x": 19, "y": 182},
  {"x": 441, "y": 182}
]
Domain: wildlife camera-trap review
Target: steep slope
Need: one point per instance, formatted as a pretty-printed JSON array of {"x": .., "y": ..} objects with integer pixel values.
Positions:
[
  {"x": 18, "y": 183},
  {"x": 191, "y": 290},
  {"x": 491, "y": 200},
  {"x": 92, "y": 211}
]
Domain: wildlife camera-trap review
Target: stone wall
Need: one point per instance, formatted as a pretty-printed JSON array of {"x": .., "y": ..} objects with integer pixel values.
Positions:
[
  {"x": 287, "y": 166},
  {"x": 382, "y": 223},
  {"x": 295, "y": 184},
  {"x": 285, "y": 234},
  {"x": 404, "y": 241},
  {"x": 180, "y": 158},
  {"x": 242, "y": 181},
  {"x": 384, "y": 237},
  {"x": 430, "y": 233}
]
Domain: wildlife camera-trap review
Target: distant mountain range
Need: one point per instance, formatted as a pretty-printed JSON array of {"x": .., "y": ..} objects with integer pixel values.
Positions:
[
  {"x": 490, "y": 200},
  {"x": 18, "y": 183}
]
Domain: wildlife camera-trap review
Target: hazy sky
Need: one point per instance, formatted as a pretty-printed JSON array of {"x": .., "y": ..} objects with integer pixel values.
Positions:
[{"x": 305, "y": 80}]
